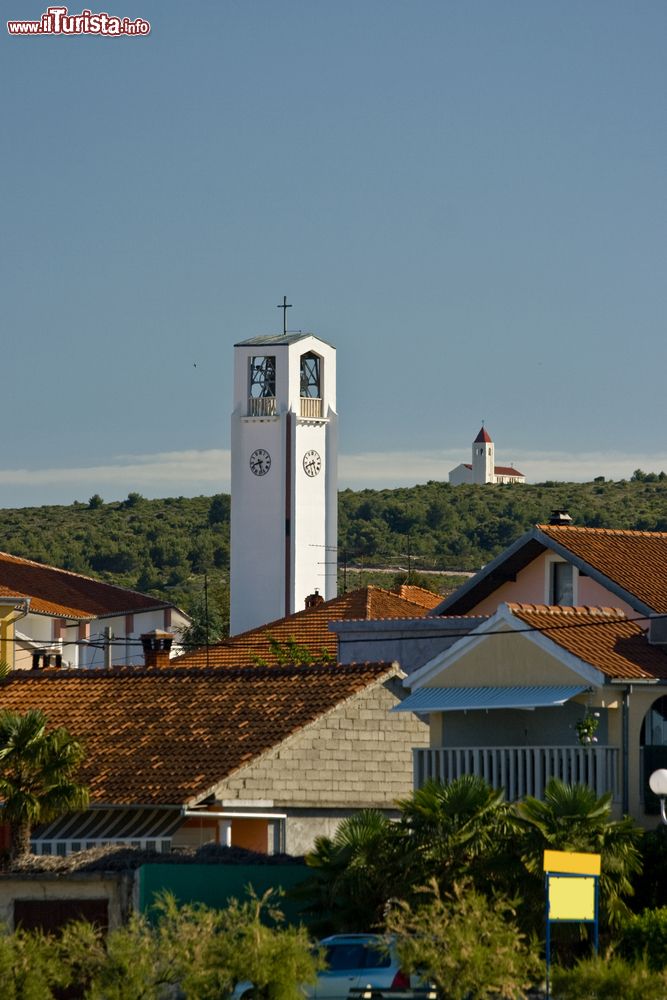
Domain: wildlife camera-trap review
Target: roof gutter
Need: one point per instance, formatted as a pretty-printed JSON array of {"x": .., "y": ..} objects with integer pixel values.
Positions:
[
  {"x": 138, "y": 805},
  {"x": 639, "y": 681},
  {"x": 21, "y": 604},
  {"x": 202, "y": 814}
]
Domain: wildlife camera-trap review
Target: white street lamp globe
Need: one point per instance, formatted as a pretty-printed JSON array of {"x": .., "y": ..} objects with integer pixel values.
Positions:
[{"x": 658, "y": 782}]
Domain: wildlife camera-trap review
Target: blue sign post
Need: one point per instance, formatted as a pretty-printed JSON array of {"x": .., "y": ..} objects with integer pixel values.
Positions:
[{"x": 572, "y": 883}]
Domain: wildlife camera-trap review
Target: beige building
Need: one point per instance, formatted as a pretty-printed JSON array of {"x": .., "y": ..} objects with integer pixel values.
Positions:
[{"x": 567, "y": 624}]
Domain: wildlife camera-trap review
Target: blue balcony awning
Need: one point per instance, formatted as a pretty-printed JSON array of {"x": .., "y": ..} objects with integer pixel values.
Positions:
[{"x": 450, "y": 699}]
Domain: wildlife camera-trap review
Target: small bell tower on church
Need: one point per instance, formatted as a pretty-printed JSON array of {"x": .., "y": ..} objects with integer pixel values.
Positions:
[
  {"x": 483, "y": 458},
  {"x": 284, "y": 477}
]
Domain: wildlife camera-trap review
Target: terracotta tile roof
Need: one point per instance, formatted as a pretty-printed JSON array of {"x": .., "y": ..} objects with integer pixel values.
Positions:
[
  {"x": 167, "y": 737},
  {"x": 635, "y": 560},
  {"x": 309, "y": 628},
  {"x": 59, "y": 592},
  {"x": 44, "y": 607},
  {"x": 419, "y": 595},
  {"x": 506, "y": 470},
  {"x": 483, "y": 436},
  {"x": 499, "y": 470},
  {"x": 603, "y": 637}
]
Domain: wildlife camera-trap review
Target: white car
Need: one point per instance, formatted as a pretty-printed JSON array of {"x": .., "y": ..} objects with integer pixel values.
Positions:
[{"x": 354, "y": 961}]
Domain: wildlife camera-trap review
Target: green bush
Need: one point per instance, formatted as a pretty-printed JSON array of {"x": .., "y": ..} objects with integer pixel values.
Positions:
[
  {"x": 608, "y": 978},
  {"x": 30, "y": 966},
  {"x": 469, "y": 946},
  {"x": 191, "y": 952},
  {"x": 645, "y": 935}
]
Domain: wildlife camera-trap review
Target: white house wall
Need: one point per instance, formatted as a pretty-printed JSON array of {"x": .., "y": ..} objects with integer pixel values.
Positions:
[
  {"x": 460, "y": 475},
  {"x": 46, "y": 632}
]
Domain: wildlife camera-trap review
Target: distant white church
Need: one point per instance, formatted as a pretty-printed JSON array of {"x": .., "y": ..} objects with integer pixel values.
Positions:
[{"x": 483, "y": 468}]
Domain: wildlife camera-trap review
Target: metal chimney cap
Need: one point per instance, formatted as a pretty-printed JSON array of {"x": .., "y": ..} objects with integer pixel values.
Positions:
[{"x": 560, "y": 516}]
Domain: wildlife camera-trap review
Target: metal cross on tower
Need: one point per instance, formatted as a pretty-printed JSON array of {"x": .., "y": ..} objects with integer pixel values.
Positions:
[{"x": 284, "y": 306}]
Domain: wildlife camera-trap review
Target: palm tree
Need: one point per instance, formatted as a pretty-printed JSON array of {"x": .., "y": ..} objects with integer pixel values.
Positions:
[
  {"x": 454, "y": 831},
  {"x": 353, "y": 874},
  {"x": 37, "y": 770},
  {"x": 574, "y": 818}
]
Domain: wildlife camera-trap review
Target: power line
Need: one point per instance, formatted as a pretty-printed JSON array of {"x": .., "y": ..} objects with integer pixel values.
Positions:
[{"x": 101, "y": 644}]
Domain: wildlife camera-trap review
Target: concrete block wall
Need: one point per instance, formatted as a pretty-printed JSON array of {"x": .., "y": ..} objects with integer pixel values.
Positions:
[{"x": 355, "y": 756}]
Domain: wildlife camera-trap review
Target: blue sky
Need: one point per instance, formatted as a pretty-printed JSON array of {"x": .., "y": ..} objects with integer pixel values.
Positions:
[{"x": 467, "y": 199}]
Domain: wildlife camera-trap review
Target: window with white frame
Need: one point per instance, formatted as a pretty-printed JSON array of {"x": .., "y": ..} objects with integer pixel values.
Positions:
[{"x": 561, "y": 583}]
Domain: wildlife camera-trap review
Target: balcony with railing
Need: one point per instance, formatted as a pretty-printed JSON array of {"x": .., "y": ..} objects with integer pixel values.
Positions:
[
  {"x": 523, "y": 770},
  {"x": 262, "y": 406},
  {"x": 311, "y": 406}
]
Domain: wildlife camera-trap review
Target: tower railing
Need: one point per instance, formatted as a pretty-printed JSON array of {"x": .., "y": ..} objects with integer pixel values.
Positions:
[
  {"x": 262, "y": 406},
  {"x": 311, "y": 407}
]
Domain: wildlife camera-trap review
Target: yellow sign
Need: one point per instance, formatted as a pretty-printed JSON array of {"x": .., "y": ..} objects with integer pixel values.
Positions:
[
  {"x": 571, "y": 898},
  {"x": 572, "y": 863}
]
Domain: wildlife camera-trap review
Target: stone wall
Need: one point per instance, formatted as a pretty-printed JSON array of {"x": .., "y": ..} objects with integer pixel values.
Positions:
[{"x": 357, "y": 755}]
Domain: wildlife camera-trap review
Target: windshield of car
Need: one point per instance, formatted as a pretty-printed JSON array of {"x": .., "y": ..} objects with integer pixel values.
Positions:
[{"x": 355, "y": 955}]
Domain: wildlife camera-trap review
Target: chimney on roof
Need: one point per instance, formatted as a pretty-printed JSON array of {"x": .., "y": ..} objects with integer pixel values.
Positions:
[
  {"x": 560, "y": 517},
  {"x": 657, "y": 630},
  {"x": 42, "y": 659},
  {"x": 157, "y": 647},
  {"x": 313, "y": 600}
]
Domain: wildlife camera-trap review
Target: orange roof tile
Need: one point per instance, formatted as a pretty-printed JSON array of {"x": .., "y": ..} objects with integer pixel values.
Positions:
[
  {"x": 500, "y": 470},
  {"x": 419, "y": 595},
  {"x": 168, "y": 737},
  {"x": 309, "y": 628},
  {"x": 506, "y": 470},
  {"x": 635, "y": 560},
  {"x": 483, "y": 436},
  {"x": 603, "y": 637},
  {"x": 65, "y": 594}
]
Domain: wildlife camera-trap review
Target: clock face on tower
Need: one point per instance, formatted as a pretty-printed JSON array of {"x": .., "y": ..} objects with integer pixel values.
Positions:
[
  {"x": 312, "y": 463},
  {"x": 260, "y": 462}
]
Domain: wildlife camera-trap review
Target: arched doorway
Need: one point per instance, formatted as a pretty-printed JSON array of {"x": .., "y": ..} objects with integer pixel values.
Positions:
[{"x": 653, "y": 742}]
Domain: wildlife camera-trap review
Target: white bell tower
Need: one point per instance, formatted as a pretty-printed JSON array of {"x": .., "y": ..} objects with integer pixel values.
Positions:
[
  {"x": 483, "y": 458},
  {"x": 284, "y": 477}
]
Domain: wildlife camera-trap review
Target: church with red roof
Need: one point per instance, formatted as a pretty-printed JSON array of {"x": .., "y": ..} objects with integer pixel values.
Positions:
[{"x": 483, "y": 468}]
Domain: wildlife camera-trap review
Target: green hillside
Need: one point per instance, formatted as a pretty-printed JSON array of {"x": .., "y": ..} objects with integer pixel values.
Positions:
[{"x": 166, "y": 546}]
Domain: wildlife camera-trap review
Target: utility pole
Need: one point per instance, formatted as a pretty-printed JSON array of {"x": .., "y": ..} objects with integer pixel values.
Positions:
[
  {"x": 108, "y": 637},
  {"x": 206, "y": 612}
]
